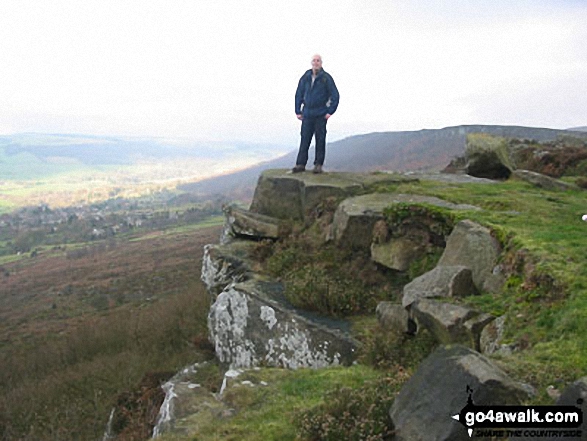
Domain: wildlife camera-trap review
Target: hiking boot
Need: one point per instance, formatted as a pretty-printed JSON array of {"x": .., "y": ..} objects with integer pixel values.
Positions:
[
  {"x": 317, "y": 169},
  {"x": 298, "y": 169}
]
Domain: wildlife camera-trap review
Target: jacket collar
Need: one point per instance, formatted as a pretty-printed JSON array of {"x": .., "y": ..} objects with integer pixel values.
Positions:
[{"x": 320, "y": 73}]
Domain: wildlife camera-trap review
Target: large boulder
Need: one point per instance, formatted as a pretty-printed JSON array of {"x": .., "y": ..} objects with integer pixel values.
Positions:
[
  {"x": 442, "y": 281},
  {"x": 542, "y": 181},
  {"x": 355, "y": 217},
  {"x": 472, "y": 245},
  {"x": 449, "y": 323},
  {"x": 283, "y": 195},
  {"x": 487, "y": 157},
  {"x": 250, "y": 324},
  {"x": 425, "y": 405}
]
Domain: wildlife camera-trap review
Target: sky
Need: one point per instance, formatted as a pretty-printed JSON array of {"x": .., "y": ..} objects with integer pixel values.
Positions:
[{"x": 228, "y": 69}]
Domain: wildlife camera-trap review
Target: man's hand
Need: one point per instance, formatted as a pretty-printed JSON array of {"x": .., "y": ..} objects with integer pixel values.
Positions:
[
  {"x": 328, "y": 115},
  {"x": 300, "y": 117}
]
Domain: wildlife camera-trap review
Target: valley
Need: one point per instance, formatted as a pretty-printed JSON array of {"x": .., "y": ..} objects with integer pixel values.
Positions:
[{"x": 101, "y": 299}]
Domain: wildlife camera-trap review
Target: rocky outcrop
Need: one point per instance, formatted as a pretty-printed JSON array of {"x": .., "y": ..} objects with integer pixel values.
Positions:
[
  {"x": 250, "y": 324},
  {"x": 283, "y": 195},
  {"x": 250, "y": 321},
  {"x": 542, "y": 181},
  {"x": 473, "y": 246},
  {"x": 442, "y": 281},
  {"x": 424, "y": 408},
  {"x": 487, "y": 157},
  {"x": 450, "y": 323}
]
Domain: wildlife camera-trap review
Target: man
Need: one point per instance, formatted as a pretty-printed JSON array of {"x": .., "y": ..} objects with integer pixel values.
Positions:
[{"x": 316, "y": 100}]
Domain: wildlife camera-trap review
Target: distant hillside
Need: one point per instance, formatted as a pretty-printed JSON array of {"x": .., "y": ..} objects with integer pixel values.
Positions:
[
  {"x": 34, "y": 155},
  {"x": 400, "y": 151},
  {"x": 579, "y": 129}
]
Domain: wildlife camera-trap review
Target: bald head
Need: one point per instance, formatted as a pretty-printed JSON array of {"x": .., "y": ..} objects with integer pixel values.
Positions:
[{"x": 316, "y": 63}]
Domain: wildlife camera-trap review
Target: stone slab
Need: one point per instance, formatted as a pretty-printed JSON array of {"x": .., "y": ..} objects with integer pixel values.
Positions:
[{"x": 248, "y": 327}]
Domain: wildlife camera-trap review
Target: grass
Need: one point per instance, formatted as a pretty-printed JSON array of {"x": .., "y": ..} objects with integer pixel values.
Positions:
[
  {"x": 69, "y": 185},
  {"x": 6, "y": 207}
]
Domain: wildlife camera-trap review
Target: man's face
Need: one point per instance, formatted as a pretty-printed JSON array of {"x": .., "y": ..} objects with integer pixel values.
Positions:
[{"x": 316, "y": 63}]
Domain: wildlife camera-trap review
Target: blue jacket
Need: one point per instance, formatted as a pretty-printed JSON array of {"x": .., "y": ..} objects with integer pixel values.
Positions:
[{"x": 318, "y": 99}]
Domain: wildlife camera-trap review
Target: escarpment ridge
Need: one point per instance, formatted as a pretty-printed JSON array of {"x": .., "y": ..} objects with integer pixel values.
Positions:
[{"x": 449, "y": 257}]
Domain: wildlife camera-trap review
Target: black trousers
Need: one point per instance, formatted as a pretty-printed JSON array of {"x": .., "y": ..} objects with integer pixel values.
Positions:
[{"x": 310, "y": 127}]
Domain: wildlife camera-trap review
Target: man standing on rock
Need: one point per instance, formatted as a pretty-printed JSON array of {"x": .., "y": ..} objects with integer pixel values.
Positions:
[{"x": 316, "y": 100}]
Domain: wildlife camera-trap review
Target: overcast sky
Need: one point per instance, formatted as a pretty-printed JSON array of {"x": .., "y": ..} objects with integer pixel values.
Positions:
[{"x": 227, "y": 70}]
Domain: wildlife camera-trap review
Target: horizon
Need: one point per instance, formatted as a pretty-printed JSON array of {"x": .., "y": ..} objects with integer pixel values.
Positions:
[
  {"x": 227, "y": 71},
  {"x": 119, "y": 137}
]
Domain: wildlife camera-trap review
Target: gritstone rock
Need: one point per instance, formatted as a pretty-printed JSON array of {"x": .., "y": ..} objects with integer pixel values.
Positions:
[
  {"x": 442, "y": 281},
  {"x": 355, "y": 217},
  {"x": 472, "y": 245},
  {"x": 450, "y": 323},
  {"x": 487, "y": 157},
  {"x": 394, "y": 317},
  {"x": 542, "y": 181},
  {"x": 283, "y": 195}
]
